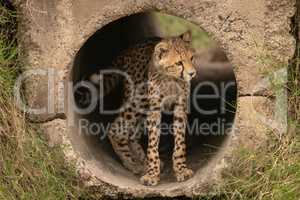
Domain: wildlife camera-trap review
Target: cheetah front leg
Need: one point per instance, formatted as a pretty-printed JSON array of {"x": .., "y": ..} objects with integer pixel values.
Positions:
[
  {"x": 182, "y": 173},
  {"x": 152, "y": 175}
]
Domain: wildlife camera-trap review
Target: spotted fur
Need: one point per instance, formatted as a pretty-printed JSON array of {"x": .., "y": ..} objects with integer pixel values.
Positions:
[{"x": 161, "y": 70}]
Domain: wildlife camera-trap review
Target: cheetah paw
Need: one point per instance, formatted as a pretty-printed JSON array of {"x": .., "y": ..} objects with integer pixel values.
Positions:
[
  {"x": 149, "y": 180},
  {"x": 184, "y": 174}
]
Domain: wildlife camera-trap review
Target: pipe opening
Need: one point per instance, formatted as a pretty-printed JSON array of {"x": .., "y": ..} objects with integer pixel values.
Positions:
[{"x": 213, "y": 99}]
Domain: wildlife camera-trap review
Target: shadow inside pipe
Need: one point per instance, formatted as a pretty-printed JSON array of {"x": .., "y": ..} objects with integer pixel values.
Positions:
[{"x": 212, "y": 105}]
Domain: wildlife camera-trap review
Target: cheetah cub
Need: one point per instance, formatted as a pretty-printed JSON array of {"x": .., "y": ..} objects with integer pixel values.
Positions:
[{"x": 160, "y": 71}]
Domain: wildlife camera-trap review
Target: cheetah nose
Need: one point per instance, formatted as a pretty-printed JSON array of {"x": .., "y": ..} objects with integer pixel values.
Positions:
[{"x": 192, "y": 73}]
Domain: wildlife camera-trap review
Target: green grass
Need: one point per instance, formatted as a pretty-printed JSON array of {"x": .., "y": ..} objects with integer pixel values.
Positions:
[
  {"x": 29, "y": 169},
  {"x": 270, "y": 172},
  {"x": 172, "y": 26}
]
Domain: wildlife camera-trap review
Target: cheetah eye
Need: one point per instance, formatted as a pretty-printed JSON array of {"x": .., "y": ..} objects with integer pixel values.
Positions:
[
  {"x": 192, "y": 58},
  {"x": 179, "y": 64}
]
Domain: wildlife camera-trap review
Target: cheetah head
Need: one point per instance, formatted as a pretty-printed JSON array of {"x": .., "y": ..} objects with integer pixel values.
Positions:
[{"x": 174, "y": 56}]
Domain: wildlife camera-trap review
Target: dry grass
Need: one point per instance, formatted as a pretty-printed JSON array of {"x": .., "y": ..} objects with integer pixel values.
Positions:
[{"x": 29, "y": 169}]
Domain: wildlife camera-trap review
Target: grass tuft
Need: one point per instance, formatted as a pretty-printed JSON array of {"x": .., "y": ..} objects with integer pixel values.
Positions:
[
  {"x": 271, "y": 172},
  {"x": 29, "y": 169}
]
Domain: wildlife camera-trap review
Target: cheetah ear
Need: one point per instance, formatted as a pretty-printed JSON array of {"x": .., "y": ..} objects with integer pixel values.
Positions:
[
  {"x": 187, "y": 36},
  {"x": 161, "y": 50}
]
